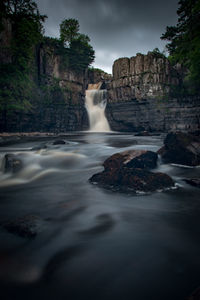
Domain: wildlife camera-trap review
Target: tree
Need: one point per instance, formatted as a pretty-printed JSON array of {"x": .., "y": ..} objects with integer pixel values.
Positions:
[
  {"x": 184, "y": 40},
  {"x": 69, "y": 29},
  {"x": 20, "y": 8},
  {"x": 17, "y": 10},
  {"x": 81, "y": 53},
  {"x": 16, "y": 84}
]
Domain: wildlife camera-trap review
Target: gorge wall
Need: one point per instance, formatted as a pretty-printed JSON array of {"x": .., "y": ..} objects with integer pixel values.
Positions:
[
  {"x": 57, "y": 93},
  {"x": 141, "y": 96}
]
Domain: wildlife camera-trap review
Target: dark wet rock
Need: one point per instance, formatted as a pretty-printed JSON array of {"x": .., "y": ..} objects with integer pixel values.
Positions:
[
  {"x": 193, "y": 181},
  {"x": 27, "y": 227},
  {"x": 132, "y": 159},
  {"x": 12, "y": 163},
  {"x": 138, "y": 180},
  {"x": 181, "y": 148},
  {"x": 59, "y": 142},
  {"x": 129, "y": 171}
]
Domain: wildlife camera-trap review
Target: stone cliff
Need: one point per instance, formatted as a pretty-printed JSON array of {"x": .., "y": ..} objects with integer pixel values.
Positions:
[
  {"x": 140, "y": 93},
  {"x": 96, "y": 75},
  {"x": 140, "y": 96},
  {"x": 142, "y": 77},
  {"x": 58, "y": 97}
]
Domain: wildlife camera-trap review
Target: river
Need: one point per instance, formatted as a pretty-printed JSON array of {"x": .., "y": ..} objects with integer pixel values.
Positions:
[{"x": 94, "y": 243}]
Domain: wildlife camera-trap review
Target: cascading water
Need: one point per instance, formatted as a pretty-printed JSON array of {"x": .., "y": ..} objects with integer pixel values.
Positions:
[{"x": 95, "y": 102}]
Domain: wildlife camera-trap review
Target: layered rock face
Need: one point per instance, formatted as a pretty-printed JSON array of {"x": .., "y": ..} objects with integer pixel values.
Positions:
[
  {"x": 97, "y": 75},
  {"x": 58, "y": 100},
  {"x": 51, "y": 66},
  {"x": 5, "y": 41},
  {"x": 139, "y": 96},
  {"x": 141, "y": 77},
  {"x": 155, "y": 115}
]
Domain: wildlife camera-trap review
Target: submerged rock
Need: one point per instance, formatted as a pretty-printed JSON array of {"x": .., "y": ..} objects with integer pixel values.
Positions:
[
  {"x": 193, "y": 181},
  {"x": 27, "y": 226},
  {"x": 59, "y": 142},
  {"x": 12, "y": 163},
  {"x": 181, "y": 148},
  {"x": 129, "y": 171}
]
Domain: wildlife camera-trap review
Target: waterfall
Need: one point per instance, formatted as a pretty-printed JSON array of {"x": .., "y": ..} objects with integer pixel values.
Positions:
[{"x": 95, "y": 103}]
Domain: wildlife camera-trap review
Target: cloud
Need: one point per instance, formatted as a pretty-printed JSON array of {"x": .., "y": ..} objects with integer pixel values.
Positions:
[{"x": 116, "y": 27}]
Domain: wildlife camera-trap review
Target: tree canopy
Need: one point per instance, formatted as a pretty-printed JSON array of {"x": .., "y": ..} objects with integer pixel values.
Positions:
[
  {"x": 81, "y": 53},
  {"x": 16, "y": 83},
  {"x": 69, "y": 29},
  {"x": 19, "y": 77},
  {"x": 184, "y": 40}
]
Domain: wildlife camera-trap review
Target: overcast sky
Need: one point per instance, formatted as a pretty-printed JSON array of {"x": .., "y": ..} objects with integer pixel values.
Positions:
[{"x": 117, "y": 28}]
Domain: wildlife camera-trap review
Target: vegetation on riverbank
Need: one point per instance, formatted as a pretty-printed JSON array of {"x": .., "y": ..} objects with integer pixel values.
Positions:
[
  {"x": 184, "y": 42},
  {"x": 19, "y": 74}
]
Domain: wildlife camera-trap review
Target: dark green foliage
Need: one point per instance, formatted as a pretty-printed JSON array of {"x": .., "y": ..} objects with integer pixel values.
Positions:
[
  {"x": 92, "y": 69},
  {"x": 53, "y": 92},
  {"x": 157, "y": 53},
  {"x": 184, "y": 41},
  {"x": 79, "y": 54},
  {"x": 69, "y": 29},
  {"x": 16, "y": 80},
  {"x": 22, "y": 86},
  {"x": 15, "y": 89}
]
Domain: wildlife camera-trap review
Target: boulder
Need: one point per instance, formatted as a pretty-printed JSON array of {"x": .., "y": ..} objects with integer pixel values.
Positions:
[
  {"x": 27, "y": 226},
  {"x": 181, "y": 148},
  {"x": 137, "y": 180},
  {"x": 129, "y": 171},
  {"x": 12, "y": 163},
  {"x": 132, "y": 159},
  {"x": 193, "y": 181},
  {"x": 59, "y": 142}
]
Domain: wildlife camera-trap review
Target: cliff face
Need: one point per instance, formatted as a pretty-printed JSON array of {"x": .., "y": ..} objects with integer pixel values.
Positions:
[
  {"x": 155, "y": 115},
  {"x": 5, "y": 42},
  {"x": 66, "y": 109},
  {"x": 139, "y": 96},
  {"x": 51, "y": 66},
  {"x": 142, "y": 77},
  {"x": 97, "y": 75},
  {"x": 58, "y": 96}
]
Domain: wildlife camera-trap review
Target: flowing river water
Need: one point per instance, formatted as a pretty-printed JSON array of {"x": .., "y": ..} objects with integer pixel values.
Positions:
[{"x": 94, "y": 243}]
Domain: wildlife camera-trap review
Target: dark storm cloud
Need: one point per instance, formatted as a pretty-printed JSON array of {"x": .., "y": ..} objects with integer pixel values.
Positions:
[{"x": 117, "y": 28}]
